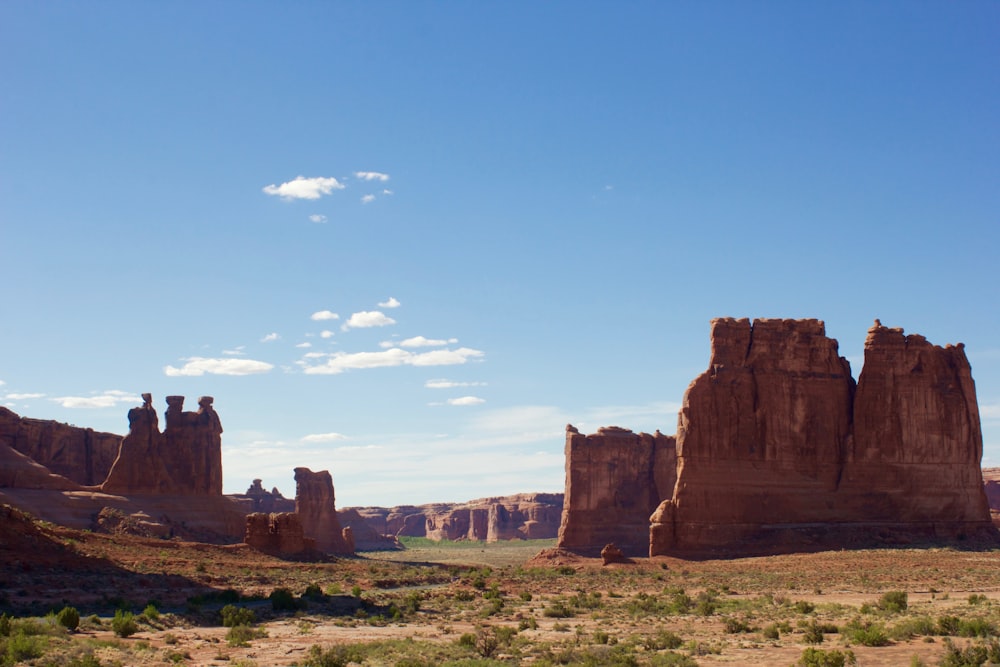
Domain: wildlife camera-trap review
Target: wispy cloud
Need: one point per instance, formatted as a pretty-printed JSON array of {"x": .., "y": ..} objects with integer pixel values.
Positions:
[
  {"x": 466, "y": 400},
  {"x": 236, "y": 351},
  {"x": 22, "y": 397},
  {"x": 324, "y": 437},
  {"x": 317, "y": 218},
  {"x": 270, "y": 338},
  {"x": 451, "y": 384},
  {"x": 391, "y": 303},
  {"x": 419, "y": 341},
  {"x": 105, "y": 399},
  {"x": 304, "y": 188},
  {"x": 367, "y": 199},
  {"x": 372, "y": 176},
  {"x": 366, "y": 319},
  {"x": 342, "y": 361},
  {"x": 321, "y": 315},
  {"x": 326, "y": 333},
  {"x": 197, "y": 366},
  {"x": 304, "y": 345}
]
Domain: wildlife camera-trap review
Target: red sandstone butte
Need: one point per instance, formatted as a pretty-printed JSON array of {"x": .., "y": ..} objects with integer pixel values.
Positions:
[
  {"x": 614, "y": 480},
  {"x": 777, "y": 449},
  {"x": 314, "y": 503}
]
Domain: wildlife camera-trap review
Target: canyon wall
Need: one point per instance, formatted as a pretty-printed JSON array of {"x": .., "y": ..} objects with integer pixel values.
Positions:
[
  {"x": 614, "y": 480},
  {"x": 778, "y": 449}
]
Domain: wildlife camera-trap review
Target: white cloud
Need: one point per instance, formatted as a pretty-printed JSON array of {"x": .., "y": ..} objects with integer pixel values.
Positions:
[
  {"x": 197, "y": 366},
  {"x": 304, "y": 188},
  {"x": 304, "y": 345},
  {"x": 387, "y": 192},
  {"x": 236, "y": 351},
  {"x": 106, "y": 399},
  {"x": 451, "y": 384},
  {"x": 316, "y": 217},
  {"x": 367, "y": 199},
  {"x": 391, "y": 303},
  {"x": 466, "y": 400},
  {"x": 269, "y": 338},
  {"x": 324, "y": 437},
  {"x": 371, "y": 176},
  {"x": 366, "y": 319},
  {"x": 326, "y": 333},
  {"x": 314, "y": 355},
  {"x": 23, "y": 397},
  {"x": 324, "y": 315},
  {"x": 342, "y": 361},
  {"x": 2, "y": 383},
  {"x": 420, "y": 341}
]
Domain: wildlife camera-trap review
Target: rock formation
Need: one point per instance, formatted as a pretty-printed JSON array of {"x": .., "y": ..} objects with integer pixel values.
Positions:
[
  {"x": 185, "y": 459},
  {"x": 614, "y": 480},
  {"x": 802, "y": 457},
  {"x": 314, "y": 503},
  {"x": 280, "y": 534},
  {"x": 268, "y": 502},
  {"x": 522, "y": 516},
  {"x": 365, "y": 537},
  {"x": 81, "y": 455}
]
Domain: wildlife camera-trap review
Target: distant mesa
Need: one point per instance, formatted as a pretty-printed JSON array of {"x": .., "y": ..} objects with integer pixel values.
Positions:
[{"x": 777, "y": 449}]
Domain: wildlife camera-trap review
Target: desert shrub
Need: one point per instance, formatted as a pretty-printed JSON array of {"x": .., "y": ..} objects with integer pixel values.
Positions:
[
  {"x": 527, "y": 624},
  {"x": 85, "y": 660},
  {"x": 565, "y": 570},
  {"x": 487, "y": 642},
  {"x": 356, "y": 591},
  {"x": 233, "y": 616},
  {"x": 893, "y": 602},
  {"x": 804, "y": 607},
  {"x": 334, "y": 656},
  {"x": 812, "y": 634},
  {"x": 283, "y": 599},
  {"x": 69, "y": 618},
  {"x": 866, "y": 633},
  {"x": 151, "y": 612},
  {"x": 22, "y": 647},
  {"x": 913, "y": 627},
  {"x": 601, "y": 637},
  {"x": 557, "y": 609},
  {"x": 5, "y": 623},
  {"x": 123, "y": 624},
  {"x": 816, "y": 657},
  {"x": 664, "y": 639},
  {"x": 771, "y": 632},
  {"x": 671, "y": 659},
  {"x": 706, "y": 603},
  {"x": 948, "y": 625},
  {"x": 976, "y": 627},
  {"x": 976, "y": 599},
  {"x": 972, "y": 655},
  {"x": 525, "y": 596},
  {"x": 313, "y": 592},
  {"x": 734, "y": 626},
  {"x": 242, "y": 635},
  {"x": 468, "y": 640}
]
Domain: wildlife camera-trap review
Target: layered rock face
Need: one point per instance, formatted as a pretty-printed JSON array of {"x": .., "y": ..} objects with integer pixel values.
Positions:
[
  {"x": 268, "y": 502},
  {"x": 278, "y": 533},
  {"x": 314, "y": 504},
  {"x": 777, "y": 448},
  {"x": 614, "y": 480},
  {"x": 186, "y": 459},
  {"x": 521, "y": 516},
  {"x": 81, "y": 455}
]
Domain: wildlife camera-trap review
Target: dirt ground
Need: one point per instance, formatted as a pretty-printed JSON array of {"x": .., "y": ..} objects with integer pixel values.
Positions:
[{"x": 456, "y": 590}]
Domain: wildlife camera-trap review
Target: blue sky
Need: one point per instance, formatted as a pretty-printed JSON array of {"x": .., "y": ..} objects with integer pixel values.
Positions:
[{"x": 408, "y": 242}]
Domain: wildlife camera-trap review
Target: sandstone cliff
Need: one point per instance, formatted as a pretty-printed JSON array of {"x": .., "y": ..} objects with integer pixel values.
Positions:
[
  {"x": 778, "y": 449},
  {"x": 81, "y": 455},
  {"x": 521, "y": 516},
  {"x": 614, "y": 481},
  {"x": 314, "y": 504}
]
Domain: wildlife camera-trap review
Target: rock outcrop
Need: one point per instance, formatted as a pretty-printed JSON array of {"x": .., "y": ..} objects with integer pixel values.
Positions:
[
  {"x": 778, "y": 449},
  {"x": 522, "y": 516},
  {"x": 280, "y": 534},
  {"x": 81, "y": 455},
  {"x": 314, "y": 504},
  {"x": 268, "y": 502},
  {"x": 365, "y": 537},
  {"x": 614, "y": 481},
  {"x": 186, "y": 459}
]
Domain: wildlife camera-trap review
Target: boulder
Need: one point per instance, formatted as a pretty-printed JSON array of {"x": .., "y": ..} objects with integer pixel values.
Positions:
[{"x": 314, "y": 503}]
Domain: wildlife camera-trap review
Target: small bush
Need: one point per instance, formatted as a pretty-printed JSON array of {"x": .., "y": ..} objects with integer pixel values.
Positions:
[
  {"x": 734, "y": 626},
  {"x": 866, "y": 633},
  {"x": 313, "y": 592},
  {"x": 283, "y": 599},
  {"x": 664, "y": 639},
  {"x": 557, "y": 610},
  {"x": 242, "y": 635},
  {"x": 233, "y": 616},
  {"x": 771, "y": 632},
  {"x": 4, "y": 625},
  {"x": 123, "y": 624},
  {"x": 813, "y": 634},
  {"x": 23, "y": 647},
  {"x": 804, "y": 607},
  {"x": 893, "y": 602},
  {"x": 975, "y": 599},
  {"x": 976, "y": 627},
  {"x": 972, "y": 655},
  {"x": 69, "y": 618},
  {"x": 815, "y": 657},
  {"x": 335, "y": 656},
  {"x": 151, "y": 612}
]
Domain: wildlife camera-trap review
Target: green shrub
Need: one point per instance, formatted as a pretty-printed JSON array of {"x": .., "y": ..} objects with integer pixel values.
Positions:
[
  {"x": 241, "y": 635},
  {"x": 972, "y": 655},
  {"x": 804, "y": 607},
  {"x": 313, "y": 592},
  {"x": 976, "y": 627},
  {"x": 771, "y": 632},
  {"x": 813, "y": 634},
  {"x": 123, "y": 624},
  {"x": 815, "y": 657},
  {"x": 866, "y": 633},
  {"x": 734, "y": 626},
  {"x": 335, "y": 656},
  {"x": 893, "y": 602},
  {"x": 948, "y": 625},
  {"x": 69, "y": 618},
  {"x": 22, "y": 647},
  {"x": 151, "y": 612},
  {"x": 557, "y": 610},
  {"x": 671, "y": 659},
  {"x": 664, "y": 639},
  {"x": 283, "y": 599},
  {"x": 233, "y": 616},
  {"x": 977, "y": 599},
  {"x": 5, "y": 622}
]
